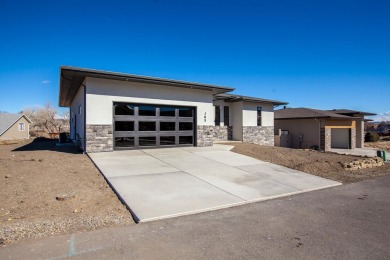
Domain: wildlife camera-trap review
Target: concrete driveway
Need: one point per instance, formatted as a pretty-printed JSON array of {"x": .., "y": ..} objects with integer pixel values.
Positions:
[{"x": 161, "y": 183}]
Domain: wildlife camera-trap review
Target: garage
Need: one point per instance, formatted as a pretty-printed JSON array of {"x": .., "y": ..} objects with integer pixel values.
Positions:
[
  {"x": 341, "y": 138},
  {"x": 147, "y": 126}
]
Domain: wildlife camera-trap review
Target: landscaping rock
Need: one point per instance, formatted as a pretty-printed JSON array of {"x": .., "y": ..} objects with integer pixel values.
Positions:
[
  {"x": 363, "y": 164},
  {"x": 64, "y": 197},
  {"x": 7, "y": 176}
]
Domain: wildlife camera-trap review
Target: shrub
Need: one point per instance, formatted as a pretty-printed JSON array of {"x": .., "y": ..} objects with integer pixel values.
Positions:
[{"x": 371, "y": 137}]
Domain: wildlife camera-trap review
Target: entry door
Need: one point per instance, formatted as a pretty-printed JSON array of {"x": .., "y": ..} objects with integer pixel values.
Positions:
[{"x": 143, "y": 125}]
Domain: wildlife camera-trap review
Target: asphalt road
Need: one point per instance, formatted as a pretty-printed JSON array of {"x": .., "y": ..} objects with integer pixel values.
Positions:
[{"x": 345, "y": 222}]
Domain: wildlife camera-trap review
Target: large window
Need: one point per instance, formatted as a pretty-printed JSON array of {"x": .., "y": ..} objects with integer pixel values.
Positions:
[
  {"x": 217, "y": 115},
  {"x": 259, "y": 109},
  {"x": 226, "y": 116}
]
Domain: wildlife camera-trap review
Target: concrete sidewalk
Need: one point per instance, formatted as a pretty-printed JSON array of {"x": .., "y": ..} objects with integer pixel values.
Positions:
[
  {"x": 161, "y": 183},
  {"x": 370, "y": 152},
  {"x": 344, "y": 222}
]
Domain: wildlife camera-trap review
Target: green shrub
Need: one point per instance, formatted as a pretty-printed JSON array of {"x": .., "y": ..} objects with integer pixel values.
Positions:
[{"x": 371, "y": 137}]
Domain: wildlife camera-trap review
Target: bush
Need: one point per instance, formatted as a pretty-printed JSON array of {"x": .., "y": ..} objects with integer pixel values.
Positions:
[{"x": 371, "y": 137}]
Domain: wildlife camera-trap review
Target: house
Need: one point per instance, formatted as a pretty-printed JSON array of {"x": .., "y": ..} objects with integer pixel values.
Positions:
[
  {"x": 14, "y": 126},
  {"x": 112, "y": 111},
  {"x": 323, "y": 129}
]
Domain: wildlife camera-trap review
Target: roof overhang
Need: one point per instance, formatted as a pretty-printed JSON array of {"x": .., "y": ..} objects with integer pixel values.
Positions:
[
  {"x": 237, "y": 98},
  {"x": 71, "y": 78},
  {"x": 318, "y": 117}
]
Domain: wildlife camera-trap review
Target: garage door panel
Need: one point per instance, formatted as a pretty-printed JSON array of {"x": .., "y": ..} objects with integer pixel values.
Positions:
[
  {"x": 139, "y": 125},
  {"x": 340, "y": 138}
]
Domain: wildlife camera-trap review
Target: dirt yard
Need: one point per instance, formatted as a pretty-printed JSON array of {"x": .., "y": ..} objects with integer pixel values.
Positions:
[
  {"x": 34, "y": 178},
  {"x": 383, "y": 144},
  {"x": 327, "y": 165}
]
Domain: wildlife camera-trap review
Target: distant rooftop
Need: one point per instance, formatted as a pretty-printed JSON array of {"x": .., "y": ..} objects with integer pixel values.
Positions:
[
  {"x": 302, "y": 112},
  {"x": 351, "y": 112}
]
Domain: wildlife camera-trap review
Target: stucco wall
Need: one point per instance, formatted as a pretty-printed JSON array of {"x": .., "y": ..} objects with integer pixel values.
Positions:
[
  {"x": 77, "y": 115},
  {"x": 14, "y": 133},
  {"x": 101, "y": 94},
  {"x": 250, "y": 114},
  {"x": 308, "y": 127}
]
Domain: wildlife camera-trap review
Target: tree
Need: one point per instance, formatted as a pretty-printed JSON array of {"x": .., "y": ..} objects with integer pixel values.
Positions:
[
  {"x": 47, "y": 119},
  {"x": 383, "y": 123}
]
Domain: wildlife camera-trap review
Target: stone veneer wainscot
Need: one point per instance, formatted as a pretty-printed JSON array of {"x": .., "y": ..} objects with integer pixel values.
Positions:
[
  {"x": 263, "y": 135},
  {"x": 99, "y": 138}
]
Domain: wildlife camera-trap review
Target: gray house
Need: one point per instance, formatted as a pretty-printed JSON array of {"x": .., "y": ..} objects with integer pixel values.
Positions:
[{"x": 111, "y": 111}]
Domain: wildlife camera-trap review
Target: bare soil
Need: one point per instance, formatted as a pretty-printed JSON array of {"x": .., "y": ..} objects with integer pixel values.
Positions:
[
  {"x": 383, "y": 144},
  {"x": 35, "y": 174},
  {"x": 326, "y": 165}
]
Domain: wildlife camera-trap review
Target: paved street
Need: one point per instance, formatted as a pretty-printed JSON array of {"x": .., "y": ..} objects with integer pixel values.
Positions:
[{"x": 345, "y": 222}]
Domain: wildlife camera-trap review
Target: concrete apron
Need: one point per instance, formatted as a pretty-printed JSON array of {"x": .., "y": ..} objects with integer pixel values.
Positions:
[{"x": 170, "y": 182}]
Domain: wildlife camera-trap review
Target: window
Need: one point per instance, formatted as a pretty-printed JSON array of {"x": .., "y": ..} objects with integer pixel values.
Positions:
[
  {"x": 167, "y": 140},
  {"x": 167, "y": 111},
  {"x": 124, "y": 109},
  {"x": 259, "y": 109},
  {"x": 185, "y": 112},
  {"x": 147, "y": 126},
  {"x": 147, "y": 110},
  {"x": 167, "y": 126},
  {"x": 217, "y": 115},
  {"x": 124, "y": 126},
  {"x": 226, "y": 115},
  {"x": 185, "y": 126},
  {"x": 21, "y": 127}
]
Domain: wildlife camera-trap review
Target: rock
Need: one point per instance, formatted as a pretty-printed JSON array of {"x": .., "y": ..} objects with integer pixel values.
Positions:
[
  {"x": 7, "y": 176},
  {"x": 64, "y": 197},
  {"x": 75, "y": 211},
  {"x": 2, "y": 241}
]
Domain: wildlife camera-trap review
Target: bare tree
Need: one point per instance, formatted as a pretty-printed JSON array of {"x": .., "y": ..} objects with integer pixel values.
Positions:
[{"x": 47, "y": 119}]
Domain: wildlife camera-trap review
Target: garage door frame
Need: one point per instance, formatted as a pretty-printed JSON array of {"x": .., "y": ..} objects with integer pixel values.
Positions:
[{"x": 137, "y": 135}]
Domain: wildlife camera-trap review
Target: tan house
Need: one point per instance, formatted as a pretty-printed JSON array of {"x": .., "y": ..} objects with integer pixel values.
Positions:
[
  {"x": 320, "y": 129},
  {"x": 14, "y": 126}
]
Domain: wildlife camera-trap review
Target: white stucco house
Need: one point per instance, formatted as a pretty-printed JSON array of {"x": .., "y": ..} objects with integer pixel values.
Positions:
[{"x": 112, "y": 111}]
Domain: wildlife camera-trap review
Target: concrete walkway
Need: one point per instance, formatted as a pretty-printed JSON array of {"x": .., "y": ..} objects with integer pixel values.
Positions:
[
  {"x": 371, "y": 152},
  {"x": 161, "y": 183}
]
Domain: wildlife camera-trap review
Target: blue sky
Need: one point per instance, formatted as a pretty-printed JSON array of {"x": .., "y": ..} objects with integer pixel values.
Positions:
[{"x": 318, "y": 54}]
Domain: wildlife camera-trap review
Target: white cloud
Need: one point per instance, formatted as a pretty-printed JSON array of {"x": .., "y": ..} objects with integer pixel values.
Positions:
[
  {"x": 45, "y": 81},
  {"x": 385, "y": 116}
]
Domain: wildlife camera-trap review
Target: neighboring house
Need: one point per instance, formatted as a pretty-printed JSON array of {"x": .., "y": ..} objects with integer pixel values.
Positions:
[
  {"x": 323, "y": 129},
  {"x": 14, "y": 126},
  {"x": 111, "y": 111}
]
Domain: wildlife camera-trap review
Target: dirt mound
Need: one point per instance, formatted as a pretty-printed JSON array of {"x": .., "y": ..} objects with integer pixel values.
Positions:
[{"x": 327, "y": 165}]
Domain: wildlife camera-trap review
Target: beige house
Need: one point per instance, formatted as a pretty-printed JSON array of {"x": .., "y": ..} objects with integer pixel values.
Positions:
[
  {"x": 14, "y": 126},
  {"x": 321, "y": 129}
]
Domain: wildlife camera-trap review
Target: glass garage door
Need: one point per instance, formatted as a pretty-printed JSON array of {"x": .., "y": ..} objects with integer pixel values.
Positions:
[{"x": 142, "y": 126}]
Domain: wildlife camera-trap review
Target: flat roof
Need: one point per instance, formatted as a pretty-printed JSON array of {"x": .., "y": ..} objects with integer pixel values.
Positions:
[
  {"x": 71, "y": 79},
  {"x": 236, "y": 98},
  {"x": 348, "y": 111},
  {"x": 306, "y": 113}
]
